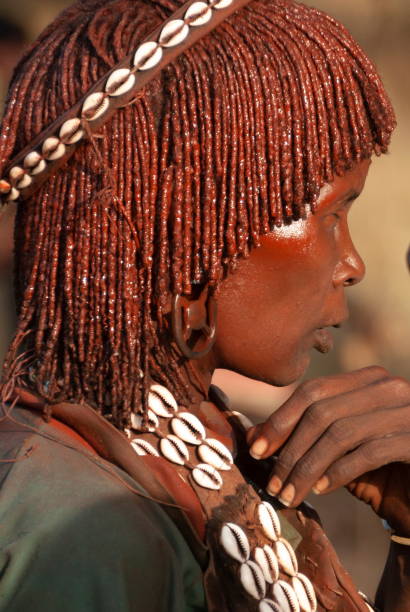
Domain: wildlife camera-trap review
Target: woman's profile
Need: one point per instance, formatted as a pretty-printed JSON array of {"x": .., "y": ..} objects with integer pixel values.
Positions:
[{"x": 184, "y": 174}]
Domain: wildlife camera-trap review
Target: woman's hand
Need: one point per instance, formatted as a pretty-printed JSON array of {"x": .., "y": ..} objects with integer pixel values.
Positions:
[{"x": 349, "y": 430}]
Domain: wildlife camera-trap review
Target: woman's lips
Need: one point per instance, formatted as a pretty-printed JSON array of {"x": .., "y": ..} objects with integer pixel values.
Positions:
[{"x": 323, "y": 340}]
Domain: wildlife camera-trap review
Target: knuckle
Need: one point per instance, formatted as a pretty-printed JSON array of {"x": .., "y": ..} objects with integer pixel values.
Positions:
[
  {"x": 305, "y": 470},
  {"x": 341, "y": 472},
  {"x": 310, "y": 390},
  {"x": 275, "y": 427},
  {"x": 367, "y": 452},
  {"x": 318, "y": 414},
  {"x": 339, "y": 432},
  {"x": 369, "y": 456},
  {"x": 285, "y": 462}
]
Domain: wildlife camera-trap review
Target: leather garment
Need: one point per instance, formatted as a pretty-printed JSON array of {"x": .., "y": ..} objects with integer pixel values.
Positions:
[{"x": 200, "y": 513}]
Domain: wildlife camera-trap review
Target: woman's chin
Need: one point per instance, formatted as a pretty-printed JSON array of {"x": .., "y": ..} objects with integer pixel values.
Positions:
[{"x": 283, "y": 374}]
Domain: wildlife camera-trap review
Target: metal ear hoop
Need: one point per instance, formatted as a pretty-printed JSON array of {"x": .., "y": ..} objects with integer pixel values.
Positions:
[{"x": 199, "y": 315}]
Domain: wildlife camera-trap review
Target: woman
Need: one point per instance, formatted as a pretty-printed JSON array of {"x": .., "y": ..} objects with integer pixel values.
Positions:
[{"x": 173, "y": 222}]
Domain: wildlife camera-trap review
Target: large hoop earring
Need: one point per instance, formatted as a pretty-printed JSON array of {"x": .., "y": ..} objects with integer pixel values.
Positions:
[{"x": 194, "y": 315}]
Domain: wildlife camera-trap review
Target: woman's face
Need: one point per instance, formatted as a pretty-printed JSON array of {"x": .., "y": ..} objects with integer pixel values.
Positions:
[{"x": 277, "y": 305}]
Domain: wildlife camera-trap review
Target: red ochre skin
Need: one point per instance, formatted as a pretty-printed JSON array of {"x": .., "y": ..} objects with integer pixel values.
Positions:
[{"x": 270, "y": 308}]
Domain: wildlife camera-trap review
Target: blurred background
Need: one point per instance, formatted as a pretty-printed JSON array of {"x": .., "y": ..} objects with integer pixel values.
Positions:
[{"x": 379, "y": 327}]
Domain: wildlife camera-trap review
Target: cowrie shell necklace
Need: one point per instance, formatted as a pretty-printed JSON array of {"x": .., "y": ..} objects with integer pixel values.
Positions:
[
  {"x": 188, "y": 438},
  {"x": 260, "y": 569}
]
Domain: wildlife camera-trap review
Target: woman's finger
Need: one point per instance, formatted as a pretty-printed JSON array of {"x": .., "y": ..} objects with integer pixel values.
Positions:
[
  {"x": 325, "y": 417},
  {"x": 367, "y": 457},
  {"x": 271, "y": 435},
  {"x": 340, "y": 439}
]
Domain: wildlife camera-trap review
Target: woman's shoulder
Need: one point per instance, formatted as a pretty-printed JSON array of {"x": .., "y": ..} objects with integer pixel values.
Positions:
[{"x": 75, "y": 526}]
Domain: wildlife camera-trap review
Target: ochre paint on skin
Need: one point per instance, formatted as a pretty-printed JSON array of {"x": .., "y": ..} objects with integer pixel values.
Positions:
[{"x": 273, "y": 308}]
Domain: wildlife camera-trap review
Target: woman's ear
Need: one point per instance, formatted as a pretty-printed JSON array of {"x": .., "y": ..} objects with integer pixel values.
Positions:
[{"x": 194, "y": 324}]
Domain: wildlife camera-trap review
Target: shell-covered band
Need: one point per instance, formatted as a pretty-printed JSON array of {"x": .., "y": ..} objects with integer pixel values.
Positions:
[
  {"x": 51, "y": 149},
  {"x": 257, "y": 557}
]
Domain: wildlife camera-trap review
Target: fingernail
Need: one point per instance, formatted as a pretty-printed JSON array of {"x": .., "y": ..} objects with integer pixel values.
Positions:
[
  {"x": 258, "y": 448},
  {"x": 274, "y": 486},
  {"x": 288, "y": 495},
  {"x": 321, "y": 485}
]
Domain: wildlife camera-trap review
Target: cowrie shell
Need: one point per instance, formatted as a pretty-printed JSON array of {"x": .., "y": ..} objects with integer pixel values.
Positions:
[
  {"x": 13, "y": 195},
  {"x": 157, "y": 405},
  {"x": 20, "y": 178},
  {"x": 25, "y": 182},
  {"x": 301, "y": 581},
  {"x": 174, "y": 450},
  {"x": 161, "y": 401},
  {"x": 198, "y": 14},
  {"x": 71, "y": 131},
  {"x": 216, "y": 454},
  {"x": 166, "y": 395},
  {"x": 142, "y": 447},
  {"x": 221, "y": 4},
  {"x": 188, "y": 428},
  {"x": 173, "y": 33},
  {"x": 120, "y": 82},
  {"x": 53, "y": 149},
  {"x": 286, "y": 557},
  {"x": 137, "y": 421},
  {"x": 16, "y": 173},
  {"x": 267, "y": 605},
  {"x": 32, "y": 159},
  {"x": 252, "y": 579},
  {"x": 148, "y": 56},
  {"x": 267, "y": 561},
  {"x": 235, "y": 542},
  {"x": 207, "y": 477},
  {"x": 41, "y": 166},
  {"x": 5, "y": 187},
  {"x": 269, "y": 521},
  {"x": 285, "y": 597},
  {"x": 34, "y": 163},
  {"x": 301, "y": 595},
  {"x": 95, "y": 105}
]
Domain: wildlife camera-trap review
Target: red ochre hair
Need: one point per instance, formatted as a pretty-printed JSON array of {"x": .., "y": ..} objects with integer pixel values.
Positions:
[{"x": 235, "y": 137}]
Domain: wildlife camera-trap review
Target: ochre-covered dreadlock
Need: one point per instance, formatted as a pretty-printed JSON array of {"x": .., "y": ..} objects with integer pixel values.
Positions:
[{"x": 236, "y": 136}]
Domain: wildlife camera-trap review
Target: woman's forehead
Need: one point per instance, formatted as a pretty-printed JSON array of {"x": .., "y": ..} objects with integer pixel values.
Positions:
[
  {"x": 341, "y": 191},
  {"x": 343, "y": 188}
]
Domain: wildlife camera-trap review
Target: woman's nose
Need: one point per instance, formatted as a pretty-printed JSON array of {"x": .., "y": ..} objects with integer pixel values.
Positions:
[{"x": 351, "y": 268}]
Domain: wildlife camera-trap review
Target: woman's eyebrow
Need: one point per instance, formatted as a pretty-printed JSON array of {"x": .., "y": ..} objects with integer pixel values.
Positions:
[{"x": 348, "y": 198}]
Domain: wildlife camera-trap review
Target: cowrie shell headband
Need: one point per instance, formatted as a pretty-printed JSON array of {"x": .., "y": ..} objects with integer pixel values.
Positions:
[{"x": 55, "y": 145}]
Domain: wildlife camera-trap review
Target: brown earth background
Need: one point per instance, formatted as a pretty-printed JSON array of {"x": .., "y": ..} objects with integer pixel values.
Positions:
[{"x": 379, "y": 328}]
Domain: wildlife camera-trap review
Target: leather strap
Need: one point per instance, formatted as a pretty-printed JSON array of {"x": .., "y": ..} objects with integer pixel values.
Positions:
[{"x": 317, "y": 558}]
